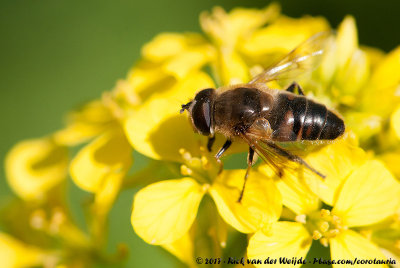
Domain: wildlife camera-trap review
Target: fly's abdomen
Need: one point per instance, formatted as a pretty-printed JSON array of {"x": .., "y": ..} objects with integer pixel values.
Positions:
[{"x": 296, "y": 118}]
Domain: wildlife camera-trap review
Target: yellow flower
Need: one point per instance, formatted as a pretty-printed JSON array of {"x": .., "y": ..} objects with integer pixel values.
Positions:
[
  {"x": 164, "y": 212},
  {"x": 85, "y": 123},
  {"x": 358, "y": 81},
  {"x": 34, "y": 167},
  {"x": 16, "y": 254},
  {"x": 159, "y": 206},
  {"x": 363, "y": 194},
  {"x": 354, "y": 210}
]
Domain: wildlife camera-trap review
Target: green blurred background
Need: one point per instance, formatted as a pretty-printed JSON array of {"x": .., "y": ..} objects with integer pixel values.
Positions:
[{"x": 56, "y": 54}]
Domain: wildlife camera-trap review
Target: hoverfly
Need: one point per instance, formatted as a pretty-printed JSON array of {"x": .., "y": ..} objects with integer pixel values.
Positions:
[{"x": 265, "y": 117}]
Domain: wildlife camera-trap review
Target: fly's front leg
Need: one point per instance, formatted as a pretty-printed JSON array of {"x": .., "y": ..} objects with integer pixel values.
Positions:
[
  {"x": 295, "y": 86},
  {"x": 210, "y": 143},
  {"x": 250, "y": 158},
  {"x": 224, "y": 147}
]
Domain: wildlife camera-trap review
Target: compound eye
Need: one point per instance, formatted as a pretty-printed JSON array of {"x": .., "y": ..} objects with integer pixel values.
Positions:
[{"x": 201, "y": 111}]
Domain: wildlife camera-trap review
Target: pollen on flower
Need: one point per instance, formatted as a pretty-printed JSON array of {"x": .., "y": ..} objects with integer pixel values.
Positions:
[
  {"x": 38, "y": 219},
  {"x": 325, "y": 214},
  {"x": 301, "y": 218},
  {"x": 324, "y": 226},
  {"x": 57, "y": 219},
  {"x": 186, "y": 171},
  {"x": 205, "y": 163},
  {"x": 205, "y": 187},
  {"x": 316, "y": 235},
  {"x": 185, "y": 154}
]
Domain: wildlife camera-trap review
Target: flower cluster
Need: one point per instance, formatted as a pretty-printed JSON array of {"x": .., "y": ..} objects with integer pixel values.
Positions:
[{"x": 189, "y": 202}]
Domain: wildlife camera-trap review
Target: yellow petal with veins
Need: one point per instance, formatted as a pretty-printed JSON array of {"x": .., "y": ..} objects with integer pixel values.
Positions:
[
  {"x": 369, "y": 195},
  {"x": 108, "y": 155},
  {"x": 287, "y": 240},
  {"x": 157, "y": 130},
  {"x": 336, "y": 161},
  {"x": 365, "y": 124},
  {"x": 353, "y": 76},
  {"x": 231, "y": 68},
  {"x": 282, "y": 36},
  {"x": 182, "y": 249},
  {"x": 34, "y": 166},
  {"x": 164, "y": 211},
  {"x": 167, "y": 45},
  {"x": 392, "y": 160},
  {"x": 349, "y": 245},
  {"x": 295, "y": 193},
  {"x": 108, "y": 192},
  {"x": 383, "y": 91},
  {"x": 347, "y": 40},
  {"x": 226, "y": 29},
  {"x": 15, "y": 254},
  {"x": 169, "y": 58},
  {"x": 260, "y": 206}
]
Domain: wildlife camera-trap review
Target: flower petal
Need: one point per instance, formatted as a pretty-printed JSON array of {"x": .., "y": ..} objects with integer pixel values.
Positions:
[
  {"x": 347, "y": 40},
  {"x": 395, "y": 122},
  {"x": 231, "y": 68},
  {"x": 353, "y": 76},
  {"x": 287, "y": 240},
  {"x": 392, "y": 160},
  {"x": 167, "y": 59},
  {"x": 108, "y": 155},
  {"x": 107, "y": 192},
  {"x": 336, "y": 161},
  {"x": 227, "y": 28},
  {"x": 84, "y": 123},
  {"x": 14, "y": 253},
  {"x": 157, "y": 130},
  {"x": 182, "y": 249},
  {"x": 349, "y": 245},
  {"x": 261, "y": 204},
  {"x": 365, "y": 124},
  {"x": 164, "y": 211},
  {"x": 369, "y": 195},
  {"x": 295, "y": 193},
  {"x": 382, "y": 94},
  {"x": 282, "y": 36},
  {"x": 35, "y": 166}
]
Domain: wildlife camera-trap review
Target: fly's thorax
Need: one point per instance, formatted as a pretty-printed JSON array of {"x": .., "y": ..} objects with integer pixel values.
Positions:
[{"x": 236, "y": 109}]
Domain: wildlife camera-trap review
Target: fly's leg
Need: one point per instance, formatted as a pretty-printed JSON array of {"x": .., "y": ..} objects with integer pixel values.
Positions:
[
  {"x": 221, "y": 151},
  {"x": 210, "y": 143},
  {"x": 294, "y": 158},
  {"x": 250, "y": 158},
  {"x": 295, "y": 86}
]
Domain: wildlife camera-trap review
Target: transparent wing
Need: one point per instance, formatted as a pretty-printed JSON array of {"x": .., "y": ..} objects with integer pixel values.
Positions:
[
  {"x": 305, "y": 57},
  {"x": 279, "y": 159}
]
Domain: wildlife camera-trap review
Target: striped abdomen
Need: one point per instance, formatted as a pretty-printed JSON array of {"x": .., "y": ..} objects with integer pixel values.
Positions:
[{"x": 295, "y": 118}]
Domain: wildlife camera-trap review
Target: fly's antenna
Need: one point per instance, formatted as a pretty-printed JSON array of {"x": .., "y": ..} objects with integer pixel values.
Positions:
[{"x": 185, "y": 107}]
